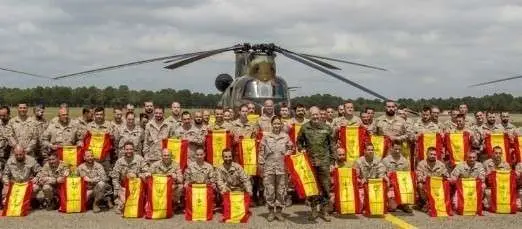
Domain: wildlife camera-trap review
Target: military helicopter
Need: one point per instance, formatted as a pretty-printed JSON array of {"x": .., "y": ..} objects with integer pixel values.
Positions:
[{"x": 255, "y": 74}]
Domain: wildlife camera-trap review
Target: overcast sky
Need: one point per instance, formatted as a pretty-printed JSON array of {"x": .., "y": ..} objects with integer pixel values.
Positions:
[{"x": 433, "y": 48}]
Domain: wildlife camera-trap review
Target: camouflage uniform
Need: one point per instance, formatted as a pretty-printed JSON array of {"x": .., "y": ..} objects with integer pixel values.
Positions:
[
  {"x": 482, "y": 132},
  {"x": 232, "y": 179},
  {"x": 124, "y": 134},
  {"x": 23, "y": 133},
  {"x": 425, "y": 170},
  {"x": 272, "y": 150},
  {"x": 194, "y": 136},
  {"x": 199, "y": 174},
  {"x": 48, "y": 176},
  {"x": 105, "y": 128},
  {"x": 59, "y": 134},
  {"x": 491, "y": 165},
  {"x": 115, "y": 126},
  {"x": 122, "y": 168},
  {"x": 392, "y": 164},
  {"x": 426, "y": 127},
  {"x": 463, "y": 170},
  {"x": 368, "y": 170},
  {"x": 153, "y": 137},
  {"x": 20, "y": 172},
  {"x": 79, "y": 123},
  {"x": 345, "y": 121},
  {"x": 175, "y": 122},
  {"x": 319, "y": 145},
  {"x": 220, "y": 126},
  {"x": 265, "y": 124},
  {"x": 97, "y": 181},
  {"x": 5, "y": 149},
  {"x": 392, "y": 127},
  {"x": 518, "y": 171},
  {"x": 292, "y": 121},
  {"x": 173, "y": 170},
  {"x": 40, "y": 125}
]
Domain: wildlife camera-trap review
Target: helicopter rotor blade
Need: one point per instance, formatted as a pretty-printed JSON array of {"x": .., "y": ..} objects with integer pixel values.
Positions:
[
  {"x": 312, "y": 59},
  {"x": 328, "y": 72},
  {"x": 200, "y": 56},
  {"x": 496, "y": 81},
  {"x": 345, "y": 61},
  {"x": 175, "y": 57},
  {"x": 24, "y": 73}
]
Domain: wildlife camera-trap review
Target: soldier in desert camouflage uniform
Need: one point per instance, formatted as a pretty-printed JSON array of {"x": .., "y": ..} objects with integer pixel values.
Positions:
[
  {"x": 22, "y": 131},
  {"x": 175, "y": 119},
  {"x": 41, "y": 125},
  {"x": 97, "y": 180},
  {"x": 199, "y": 171},
  {"x": 428, "y": 168},
  {"x": 100, "y": 125},
  {"x": 62, "y": 133},
  {"x": 369, "y": 167},
  {"x": 156, "y": 131},
  {"x": 395, "y": 161},
  {"x": 469, "y": 169},
  {"x": 188, "y": 131},
  {"x": 230, "y": 176},
  {"x": 129, "y": 132},
  {"x": 20, "y": 168},
  {"x": 168, "y": 167},
  {"x": 53, "y": 173}
]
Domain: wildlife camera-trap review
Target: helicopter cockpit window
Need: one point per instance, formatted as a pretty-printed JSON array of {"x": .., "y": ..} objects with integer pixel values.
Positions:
[{"x": 258, "y": 89}]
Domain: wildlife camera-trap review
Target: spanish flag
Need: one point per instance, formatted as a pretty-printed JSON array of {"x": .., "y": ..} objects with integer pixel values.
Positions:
[
  {"x": 199, "y": 202},
  {"x": 235, "y": 207},
  {"x": 469, "y": 196},
  {"x": 99, "y": 143},
  {"x": 71, "y": 155},
  {"x": 73, "y": 195},
  {"x": 179, "y": 150},
  {"x": 403, "y": 183},
  {"x": 216, "y": 141},
  {"x": 134, "y": 197},
  {"x": 498, "y": 139},
  {"x": 458, "y": 145},
  {"x": 503, "y": 191},
  {"x": 381, "y": 145},
  {"x": 302, "y": 174},
  {"x": 294, "y": 132},
  {"x": 426, "y": 140},
  {"x": 375, "y": 197},
  {"x": 247, "y": 150},
  {"x": 439, "y": 202},
  {"x": 352, "y": 140},
  {"x": 408, "y": 149},
  {"x": 18, "y": 202},
  {"x": 518, "y": 150},
  {"x": 159, "y": 197},
  {"x": 346, "y": 191},
  {"x": 253, "y": 118}
]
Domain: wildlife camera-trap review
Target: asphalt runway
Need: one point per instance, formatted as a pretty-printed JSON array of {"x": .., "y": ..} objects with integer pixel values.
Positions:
[{"x": 296, "y": 218}]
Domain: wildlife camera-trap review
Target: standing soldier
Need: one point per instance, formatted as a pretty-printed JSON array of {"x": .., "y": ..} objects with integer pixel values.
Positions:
[
  {"x": 206, "y": 118},
  {"x": 395, "y": 161},
  {"x": 129, "y": 132},
  {"x": 266, "y": 116},
  {"x": 20, "y": 168},
  {"x": 300, "y": 119},
  {"x": 22, "y": 131},
  {"x": 340, "y": 110},
  {"x": 61, "y": 133},
  {"x": 425, "y": 123},
  {"x": 156, "y": 131},
  {"x": 188, "y": 131},
  {"x": 199, "y": 123},
  {"x": 5, "y": 115},
  {"x": 316, "y": 138},
  {"x": 117, "y": 115},
  {"x": 435, "y": 112},
  {"x": 428, "y": 168},
  {"x": 148, "y": 108},
  {"x": 349, "y": 118},
  {"x": 367, "y": 123},
  {"x": 509, "y": 128},
  {"x": 450, "y": 124},
  {"x": 55, "y": 119},
  {"x": 175, "y": 119},
  {"x": 391, "y": 125},
  {"x": 53, "y": 174},
  {"x": 41, "y": 125},
  {"x": 220, "y": 123},
  {"x": 228, "y": 116},
  {"x": 463, "y": 109},
  {"x": 130, "y": 165},
  {"x": 100, "y": 125},
  {"x": 329, "y": 116},
  {"x": 284, "y": 112},
  {"x": 98, "y": 187},
  {"x": 86, "y": 118},
  {"x": 241, "y": 127},
  {"x": 273, "y": 148},
  {"x": 168, "y": 167}
]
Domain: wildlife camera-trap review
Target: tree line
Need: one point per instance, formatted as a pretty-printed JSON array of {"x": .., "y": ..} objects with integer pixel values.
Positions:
[{"x": 111, "y": 96}]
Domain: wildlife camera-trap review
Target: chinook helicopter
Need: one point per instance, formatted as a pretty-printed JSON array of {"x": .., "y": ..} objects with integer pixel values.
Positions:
[{"x": 255, "y": 74}]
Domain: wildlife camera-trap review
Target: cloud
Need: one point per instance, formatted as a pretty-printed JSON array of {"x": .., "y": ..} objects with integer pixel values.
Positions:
[{"x": 432, "y": 48}]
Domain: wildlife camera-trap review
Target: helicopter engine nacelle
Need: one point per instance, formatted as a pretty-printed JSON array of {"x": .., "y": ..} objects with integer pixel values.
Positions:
[{"x": 223, "y": 81}]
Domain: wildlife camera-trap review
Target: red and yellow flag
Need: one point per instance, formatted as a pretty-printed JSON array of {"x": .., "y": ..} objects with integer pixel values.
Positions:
[
  {"x": 302, "y": 174},
  {"x": 99, "y": 143},
  {"x": 346, "y": 191},
  {"x": 518, "y": 149},
  {"x": 375, "y": 197},
  {"x": 458, "y": 145},
  {"x": 73, "y": 195},
  {"x": 294, "y": 132},
  {"x": 216, "y": 141},
  {"x": 179, "y": 150},
  {"x": 253, "y": 118},
  {"x": 159, "y": 197},
  {"x": 235, "y": 207},
  {"x": 439, "y": 202},
  {"x": 381, "y": 145},
  {"x": 408, "y": 149},
  {"x": 134, "y": 197},
  {"x": 199, "y": 202},
  {"x": 18, "y": 202},
  {"x": 503, "y": 191},
  {"x": 352, "y": 140},
  {"x": 247, "y": 152},
  {"x": 426, "y": 140},
  {"x": 469, "y": 196},
  {"x": 498, "y": 139},
  {"x": 403, "y": 183},
  {"x": 71, "y": 155}
]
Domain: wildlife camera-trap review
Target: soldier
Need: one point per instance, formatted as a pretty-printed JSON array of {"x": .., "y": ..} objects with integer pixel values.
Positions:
[
  {"x": 129, "y": 132},
  {"x": 148, "y": 107},
  {"x": 199, "y": 124},
  {"x": 191, "y": 133},
  {"x": 341, "y": 160},
  {"x": 20, "y": 168},
  {"x": 206, "y": 118},
  {"x": 403, "y": 112},
  {"x": 371, "y": 112},
  {"x": 284, "y": 112},
  {"x": 53, "y": 174},
  {"x": 322, "y": 115},
  {"x": 5, "y": 149},
  {"x": 391, "y": 125},
  {"x": 300, "y": 112},
  {"x": 228, "y": 116},
  {"x": 98, "y": 187},
  {"x": 428, "y": 168},
  {"x": 231, "y": 176},
  {"x": 220, "y": 123},
  {"x": 349, "y": 118},
  {"x": 273, "y": 147},
  {"x": 369, "y": 167},
  {"x": 367, "y": 122},
  {"x": 200, "y": 171},
  {"x": 509, "y": 128},
  {"x": 450, "y": 124},
  {"x": 168, "y": 167},
  {"x": 251, "y": 108},
  {"x": 395, "y": 161},
  {"x": 41, "y": 125},
  {"x": 155, "y": 132},
  {"x": 463, "y": 109},
  {"x": 340, "y": 110},
  {"x": 425, "y": 124},
  {"x": 62, "y": 105},
  {"x": 100, "y": 125},
  {"x": 61, "y": 133},
  {"x": 518, "y": 172},
  {"x": 435, "y": 111},
  {"x": 316, "y": 138},
  {"x": 86, "y": 118},
  {"x": 117, "y": 115},
  {"x": 241, "y": 127},
  {"x": 128, "y": 108},
  {"x": 22, "y": 131},
  {"x": 130, "y": 165},
  {"x": 144, "y": 119},
  {"x": 496, "y": 163},
  {"x": 175, "y": 119},
  {"x": 329, "y": 116},
  {"x": 470, "y": 168},
  {"x": 461, "y": 127},
  {"x": 267, "y": 113},
  {"x": 5, "y": 115},
  {"x": 476, "y": 128}
]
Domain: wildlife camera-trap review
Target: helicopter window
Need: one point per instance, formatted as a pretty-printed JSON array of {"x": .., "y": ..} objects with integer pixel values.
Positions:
[{"x": 258, "y": 89}]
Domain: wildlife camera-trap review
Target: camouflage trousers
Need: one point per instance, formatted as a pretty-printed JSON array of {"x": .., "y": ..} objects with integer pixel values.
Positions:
[
  {"x": 98, "y": 191},
  {"x": 275, "y": 189},
  {"x": 323, "y": 180}
]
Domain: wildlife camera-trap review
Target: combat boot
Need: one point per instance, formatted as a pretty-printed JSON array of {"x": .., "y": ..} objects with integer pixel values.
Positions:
[
  {"x": 405, "y": 208},
  {"x": 324, "y": 213},
  {"x": 95, "y": 207},
  {"x": 278, "y": 214},
  {"x": 313, "y": 214},
  {"x": 271, "y": 215},
  {"x": 110, "y": 205}
]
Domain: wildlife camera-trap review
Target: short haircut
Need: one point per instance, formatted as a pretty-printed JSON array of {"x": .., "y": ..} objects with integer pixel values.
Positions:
[{"x": 99, "y": 109}]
